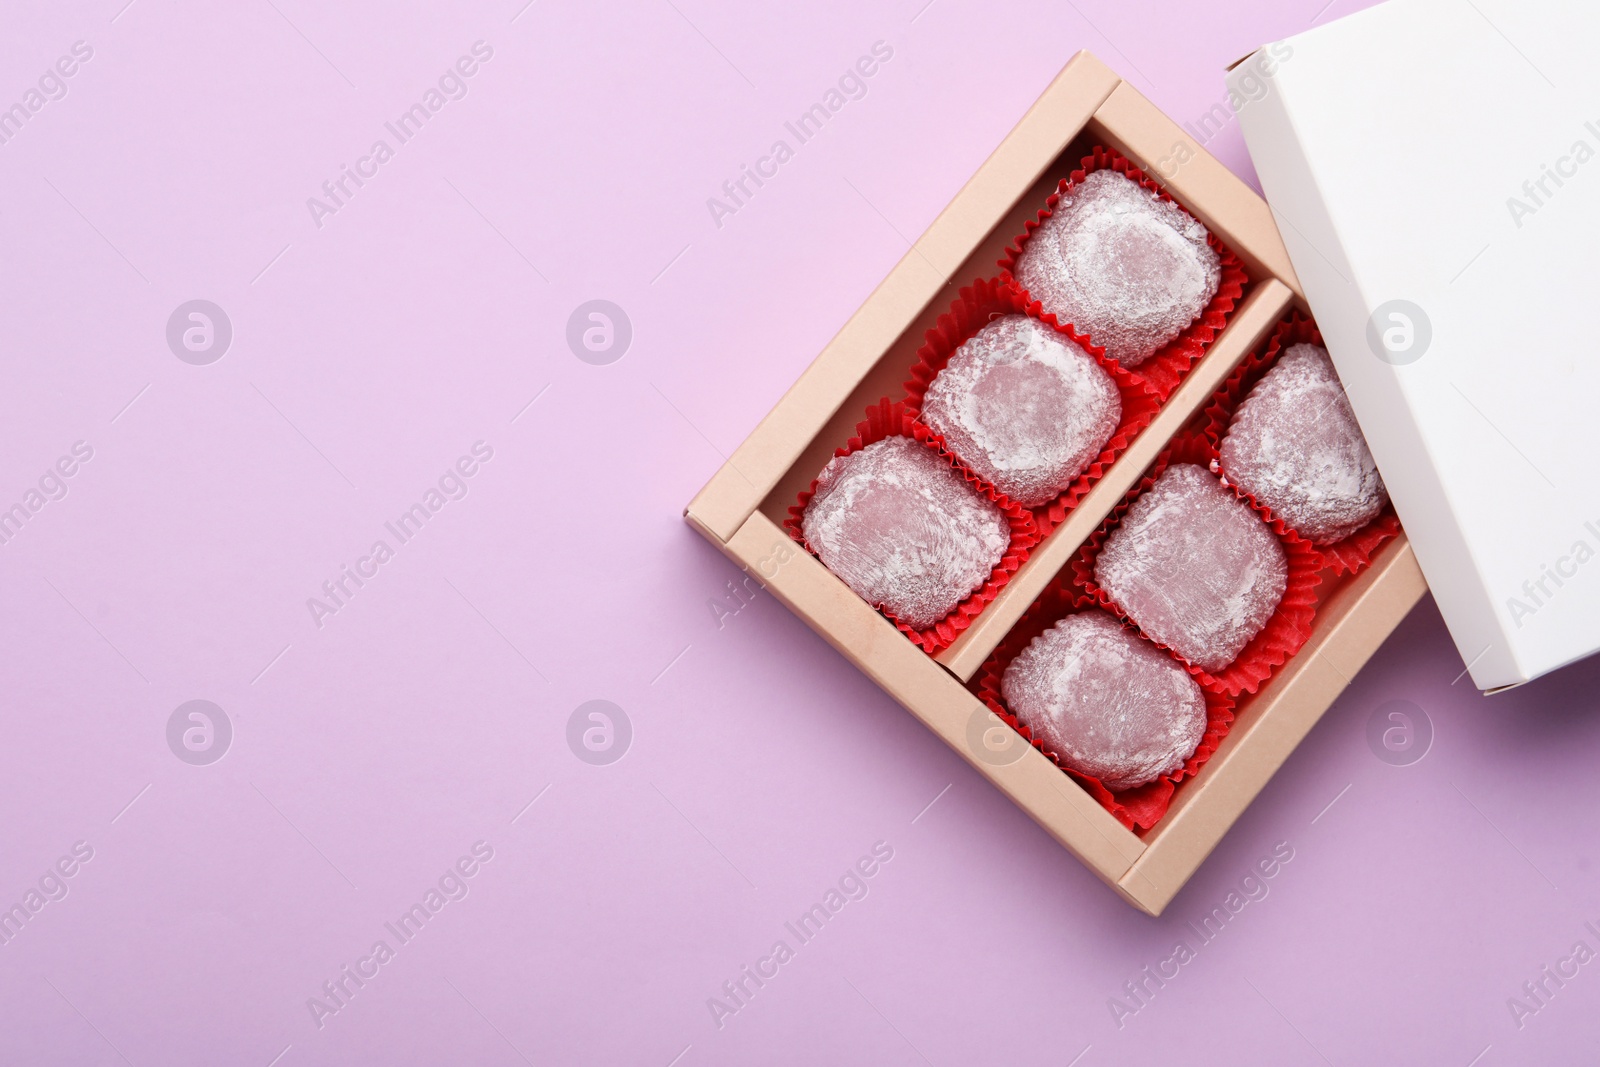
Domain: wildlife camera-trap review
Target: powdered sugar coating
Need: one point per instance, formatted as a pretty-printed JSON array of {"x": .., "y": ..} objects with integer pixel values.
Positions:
[
  {"x": 1024, "y": 407},
  {"x": 1295, "y": 446},
  {"x": 1122, "y": 265},
  {"x": 1194, "y": 567},
  {"x": 1107, "y": 703},
  {"x": 904, "y": 529}
]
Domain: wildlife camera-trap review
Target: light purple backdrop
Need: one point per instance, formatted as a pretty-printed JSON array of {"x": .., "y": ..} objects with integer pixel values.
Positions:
[{"x": 378, "y": 740}]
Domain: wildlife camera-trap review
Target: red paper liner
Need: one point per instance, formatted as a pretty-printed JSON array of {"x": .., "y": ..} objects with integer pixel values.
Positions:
[
  {"x": 982, "y": 301},
  {"x": 889, "y": 418},
  {"x": 1349, "y": 556},
  {"x": 1166, "y": 368},
  {"x": 1138, "y": 809},
  {"x": 1290, "y": 625}
]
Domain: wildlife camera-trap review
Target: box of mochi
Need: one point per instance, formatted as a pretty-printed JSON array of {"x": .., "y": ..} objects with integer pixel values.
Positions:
[{"x": 1079, "y": 485}]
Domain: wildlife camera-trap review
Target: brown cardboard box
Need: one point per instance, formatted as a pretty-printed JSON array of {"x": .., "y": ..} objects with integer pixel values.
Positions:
[{"x": 742, "y": 508}]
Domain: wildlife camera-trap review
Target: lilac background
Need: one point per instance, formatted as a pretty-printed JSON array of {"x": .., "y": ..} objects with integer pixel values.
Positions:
[{"x": 369, "y": 754}]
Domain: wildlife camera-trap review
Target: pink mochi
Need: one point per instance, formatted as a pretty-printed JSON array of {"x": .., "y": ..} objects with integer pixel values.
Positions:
[
  {"x": 904, "y": 529},
  {"x": 1194, "y": 567},
  {"x": 1122, "y": 265},
  {"x": 1024, "y": 407},
  {"x": 1109, "y": 704},
  {"x": 1295, "y": 446}
]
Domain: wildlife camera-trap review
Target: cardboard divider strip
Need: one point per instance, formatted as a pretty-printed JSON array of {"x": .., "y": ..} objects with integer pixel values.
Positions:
[{"x": 1258, "y": 314}]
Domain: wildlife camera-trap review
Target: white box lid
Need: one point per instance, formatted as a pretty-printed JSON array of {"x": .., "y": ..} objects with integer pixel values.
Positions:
[{"x": 1435, "y": 173}]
